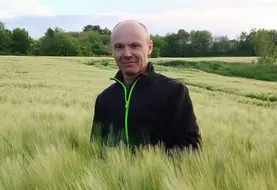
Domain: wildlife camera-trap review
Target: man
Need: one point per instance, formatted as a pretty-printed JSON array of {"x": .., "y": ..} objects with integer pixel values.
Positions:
[{"x": 143, "y": 107}]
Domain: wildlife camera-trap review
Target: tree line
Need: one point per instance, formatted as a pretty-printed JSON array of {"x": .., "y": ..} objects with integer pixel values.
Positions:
[{"x": 94, "y": 41}]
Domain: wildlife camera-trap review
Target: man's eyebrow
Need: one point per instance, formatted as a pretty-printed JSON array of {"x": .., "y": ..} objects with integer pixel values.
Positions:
[
  {"x": 135, "y": 42},
  {"x": 117, "y": 43}
]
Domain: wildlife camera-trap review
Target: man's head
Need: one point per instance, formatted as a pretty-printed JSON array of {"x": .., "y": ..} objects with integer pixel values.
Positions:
[{"x": 131, "y": 45}]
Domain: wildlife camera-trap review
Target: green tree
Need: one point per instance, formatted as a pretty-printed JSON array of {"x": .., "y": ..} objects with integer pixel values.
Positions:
[
  {"x": 201, "y": 42},
  {"x": 265, "y": 45},
  {"x": 96, "y": 28},
  {"x": 94, "y": 43},
  {"x": 20, "y": 41},
  {"x": 221, "y": 45},
  {"x": 245, "y": 47},
  {"x": 159, "y": 43},
  {"x": 155, "y": 52},
  {"x": 5, "y": 39},
  {"x": 171, "y": 46},
  {"x": 58, "y": 43}
]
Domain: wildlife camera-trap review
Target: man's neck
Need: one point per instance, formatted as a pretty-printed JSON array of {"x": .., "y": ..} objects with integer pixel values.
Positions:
[{"x": 130, "y": 79}]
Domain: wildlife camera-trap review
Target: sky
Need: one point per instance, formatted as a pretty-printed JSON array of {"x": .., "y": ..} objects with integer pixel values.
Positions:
[{"x": 221, "y": 17}]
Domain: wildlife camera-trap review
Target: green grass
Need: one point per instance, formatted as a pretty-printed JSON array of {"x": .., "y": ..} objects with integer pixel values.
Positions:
[
  {"x": 255, "y": 71},
  {"x": 46, "y": 116}
]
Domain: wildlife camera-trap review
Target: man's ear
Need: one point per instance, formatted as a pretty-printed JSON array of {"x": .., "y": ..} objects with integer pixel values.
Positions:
[{"x": 150, "y": 47}]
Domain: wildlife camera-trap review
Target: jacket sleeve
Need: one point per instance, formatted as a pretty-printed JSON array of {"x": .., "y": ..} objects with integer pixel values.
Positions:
[
  {"x": 183, "y": 130},
  {"x": 98, "y": 128}
]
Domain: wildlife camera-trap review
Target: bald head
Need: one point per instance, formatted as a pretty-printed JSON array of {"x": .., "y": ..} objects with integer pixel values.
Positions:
[
  {"x": 130, "y": 26},
  {"x": 131, "y": 46}
]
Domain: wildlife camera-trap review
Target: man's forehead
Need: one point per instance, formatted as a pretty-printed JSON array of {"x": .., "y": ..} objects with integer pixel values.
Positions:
[{"x": 128, "y": 37}]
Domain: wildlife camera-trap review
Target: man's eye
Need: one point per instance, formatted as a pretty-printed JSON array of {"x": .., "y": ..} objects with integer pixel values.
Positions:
[
  {"x": 135, "y": 45},
  {"x": 118, "y": 46}
]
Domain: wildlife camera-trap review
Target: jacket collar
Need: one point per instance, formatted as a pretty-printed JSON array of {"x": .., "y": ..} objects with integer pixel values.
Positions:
[{"x": 144, "y": 77}]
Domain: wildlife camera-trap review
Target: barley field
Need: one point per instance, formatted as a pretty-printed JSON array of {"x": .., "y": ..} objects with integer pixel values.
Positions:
[{"x": 46, "y": 110}]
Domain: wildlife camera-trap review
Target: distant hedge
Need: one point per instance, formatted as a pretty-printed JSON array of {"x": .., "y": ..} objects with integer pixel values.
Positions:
[{"x": 264, "y": 72}]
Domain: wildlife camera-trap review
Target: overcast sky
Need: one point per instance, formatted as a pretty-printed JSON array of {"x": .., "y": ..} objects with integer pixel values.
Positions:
[{"x": 221, "y": 17}]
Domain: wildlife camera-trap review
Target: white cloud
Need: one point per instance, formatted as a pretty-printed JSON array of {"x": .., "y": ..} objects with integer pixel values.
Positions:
[
  {"x": 236, "y": 3},
  {"x": 12, "y": 8},
  {"x": 221, "y": 17},
  {"x": 215, "y": 15}
]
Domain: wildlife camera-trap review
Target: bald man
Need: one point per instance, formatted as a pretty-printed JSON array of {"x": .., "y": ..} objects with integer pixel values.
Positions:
[{"x": 143, "y": 107}]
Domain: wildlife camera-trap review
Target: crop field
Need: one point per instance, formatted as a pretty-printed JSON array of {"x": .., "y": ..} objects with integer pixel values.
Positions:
[{"x": 46, "y": 110}]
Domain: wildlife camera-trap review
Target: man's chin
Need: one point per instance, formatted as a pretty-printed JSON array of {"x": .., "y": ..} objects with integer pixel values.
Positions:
[{"x": 130, "y": 72}]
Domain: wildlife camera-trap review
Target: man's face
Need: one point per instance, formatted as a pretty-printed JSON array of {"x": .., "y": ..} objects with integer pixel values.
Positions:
[{"x": 130, "y": 48}]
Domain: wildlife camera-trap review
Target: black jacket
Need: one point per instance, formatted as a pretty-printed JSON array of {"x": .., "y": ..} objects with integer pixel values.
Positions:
[{"x": 160, "y": 112}]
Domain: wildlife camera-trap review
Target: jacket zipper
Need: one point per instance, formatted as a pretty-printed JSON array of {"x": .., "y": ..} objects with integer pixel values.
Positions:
[{"x": 127, "y": 104}]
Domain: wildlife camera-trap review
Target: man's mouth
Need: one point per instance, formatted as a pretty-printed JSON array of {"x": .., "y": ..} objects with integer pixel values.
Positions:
[{"x": 128, "y": 63}]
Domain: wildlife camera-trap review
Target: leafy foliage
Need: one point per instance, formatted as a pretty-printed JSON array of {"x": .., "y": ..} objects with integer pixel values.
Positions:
[
  {"x": 94, "y": 41},
  {"x": 265, "y": 45}
]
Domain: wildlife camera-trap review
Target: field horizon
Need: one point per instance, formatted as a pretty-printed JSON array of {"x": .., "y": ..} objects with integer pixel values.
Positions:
[
  {"x": 243, "y": 59},
  {"x": 46, "y": 116}
]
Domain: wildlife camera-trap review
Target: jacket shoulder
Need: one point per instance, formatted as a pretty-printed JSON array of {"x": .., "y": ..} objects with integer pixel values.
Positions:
[
  {"x": 102, "y": 96},
  {"x": 170, "y": 83}
]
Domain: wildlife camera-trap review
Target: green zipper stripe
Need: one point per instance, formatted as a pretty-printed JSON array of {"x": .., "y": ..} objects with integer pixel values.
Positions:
[{"x": 127, "y": 103}]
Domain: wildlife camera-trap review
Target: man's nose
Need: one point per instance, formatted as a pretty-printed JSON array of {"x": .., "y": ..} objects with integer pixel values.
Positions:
[{"x": 127, "y": 52}]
